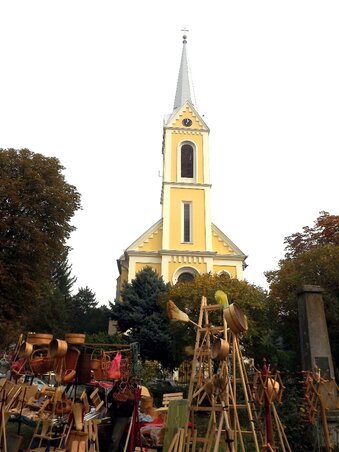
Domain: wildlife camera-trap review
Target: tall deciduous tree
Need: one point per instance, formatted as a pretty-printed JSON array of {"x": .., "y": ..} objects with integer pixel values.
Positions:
[
  {"x": 140, "y": 314},
  {"x": 312, "y": 257},
  {"x": 36, "y": 206},
  {"x": 325, "y": 231}
]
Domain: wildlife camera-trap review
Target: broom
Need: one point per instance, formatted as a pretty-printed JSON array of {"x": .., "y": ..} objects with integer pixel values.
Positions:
[{"x": 174, "y": 313}]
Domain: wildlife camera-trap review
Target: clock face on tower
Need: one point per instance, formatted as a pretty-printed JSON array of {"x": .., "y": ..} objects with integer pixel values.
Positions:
[{"x": 187, "y": 122}]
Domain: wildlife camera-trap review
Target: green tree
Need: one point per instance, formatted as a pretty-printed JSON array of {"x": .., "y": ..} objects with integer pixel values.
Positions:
[
  {"x": 312, "y": 257},
  {"x": 36, "y": 206},
  {"x": 50, "y": 314},
  {"x": 62, "y": 275},
  {"x": 139, "y": 313},
  {"x": 257, "y": 341},
  {"x": 81, "y": 310},
  {"x": 325, "y": 231},
  {"x": 98, "y": 320}
]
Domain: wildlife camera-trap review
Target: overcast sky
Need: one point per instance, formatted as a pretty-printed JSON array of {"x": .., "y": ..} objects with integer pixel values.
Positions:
[{"x": 89, "y": 82}]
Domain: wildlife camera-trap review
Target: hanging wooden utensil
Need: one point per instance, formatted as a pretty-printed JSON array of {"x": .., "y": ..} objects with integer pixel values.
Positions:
[
  {"x": 174, "y": 313},
  {"x": 220, "y": 349},
  {"x": 235, "y": 319}
]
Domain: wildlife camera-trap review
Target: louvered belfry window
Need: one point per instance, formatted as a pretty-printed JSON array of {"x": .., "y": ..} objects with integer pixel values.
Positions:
[{"x": 187, "y": 155}]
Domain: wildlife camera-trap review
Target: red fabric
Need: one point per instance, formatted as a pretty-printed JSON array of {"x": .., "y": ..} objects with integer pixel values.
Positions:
[
  {"x": 17, "y": 366},
  {"x": 135, "y": 431},
  {"x": 156, "y": 421},
  {"x": 114, "y": 370}
]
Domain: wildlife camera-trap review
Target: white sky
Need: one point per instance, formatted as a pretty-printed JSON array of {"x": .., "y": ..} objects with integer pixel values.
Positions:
[{"x": 90, "y": 81}]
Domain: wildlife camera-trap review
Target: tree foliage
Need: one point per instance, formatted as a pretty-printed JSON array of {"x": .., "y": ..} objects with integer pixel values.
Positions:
[
  {"x": 84, "y": 314},
  {"x": 36, "y": 206},
  {"x": 187, "y": 296},
  {"x": 139, "y": 313},
  {"x": 142, "y": 312},
  {"x": 324, "y": 232},
  {"x": 50, "y": 314},
  {"x": 312, "y": 257},
  {"x": 62, "y": 275}
]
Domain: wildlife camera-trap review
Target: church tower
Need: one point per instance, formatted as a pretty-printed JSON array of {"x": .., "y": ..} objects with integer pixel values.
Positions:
[{"x": 184, "y": 242}]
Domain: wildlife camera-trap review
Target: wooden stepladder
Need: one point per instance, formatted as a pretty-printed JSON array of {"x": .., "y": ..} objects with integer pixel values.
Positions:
[{"x": 219, "y": 387}]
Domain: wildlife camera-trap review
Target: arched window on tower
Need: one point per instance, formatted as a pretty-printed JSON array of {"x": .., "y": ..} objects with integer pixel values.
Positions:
[{"x": 187, "y": 161}]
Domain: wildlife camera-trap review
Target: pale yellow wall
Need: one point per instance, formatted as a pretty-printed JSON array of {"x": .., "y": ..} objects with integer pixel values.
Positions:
[
  {"x": 197, "y": 197},
  {"x": 140, "y": 265},
  {"x": 187, "y": 113},
  {"x": 175, "y": 192},
  {"x": 123, "y": 278},
  {"x": 230, "y": 269},
  {"x": 219, "y": 246},
  {"x": 152, "y": 243},
  {"x": 124, "y": 275}
]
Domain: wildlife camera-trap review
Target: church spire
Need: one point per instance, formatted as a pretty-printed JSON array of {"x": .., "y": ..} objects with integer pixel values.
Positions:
[{"x": 184, "y": 86}]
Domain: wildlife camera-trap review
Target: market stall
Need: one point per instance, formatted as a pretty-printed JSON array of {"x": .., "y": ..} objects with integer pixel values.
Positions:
[{"x": 73, "y": 414}]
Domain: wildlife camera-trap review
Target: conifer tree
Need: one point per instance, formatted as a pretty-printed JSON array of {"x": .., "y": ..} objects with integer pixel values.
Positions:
[{"x": 140, "y": 314}]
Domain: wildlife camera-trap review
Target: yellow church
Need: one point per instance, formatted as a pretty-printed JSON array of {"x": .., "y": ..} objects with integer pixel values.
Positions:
[{"x": 184, "y": 242}]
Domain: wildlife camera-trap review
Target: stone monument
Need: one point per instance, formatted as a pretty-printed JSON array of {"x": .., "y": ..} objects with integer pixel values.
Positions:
[{"x": 315, "y": 344}]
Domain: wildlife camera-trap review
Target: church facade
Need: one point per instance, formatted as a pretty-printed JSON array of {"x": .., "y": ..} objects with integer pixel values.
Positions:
[{"x": 184, "y": 242}]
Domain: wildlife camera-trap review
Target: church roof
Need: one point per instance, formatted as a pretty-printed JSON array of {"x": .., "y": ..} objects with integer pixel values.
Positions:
[
  {"x": 184, "y": 86},
  {"x": 146, "y": 236}
]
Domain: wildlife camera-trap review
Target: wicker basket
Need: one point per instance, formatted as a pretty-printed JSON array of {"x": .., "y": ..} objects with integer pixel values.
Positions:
[
  {"x": 75, "y": 338},
  {"x": 25, "y": 350},
  {"x": 39, "y": 338},
  {"x": 37, "y": 366},
  {"x": 57, "y": 348},
  {"x": 96, "y": 360},
  {"x": 48, "y": 364},
  {"x": 95, "y": 363},
  {"x": 38, "y": 361},
  {"x": 100, "y": 373}
]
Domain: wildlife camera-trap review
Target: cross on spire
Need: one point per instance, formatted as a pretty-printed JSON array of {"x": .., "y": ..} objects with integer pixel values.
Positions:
[{"x": 184, "y": 36}]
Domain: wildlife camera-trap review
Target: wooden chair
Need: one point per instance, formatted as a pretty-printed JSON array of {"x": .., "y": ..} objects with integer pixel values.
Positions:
[
  {"x": 44, "y": 435},
  {"x": 95, "y": 399}
]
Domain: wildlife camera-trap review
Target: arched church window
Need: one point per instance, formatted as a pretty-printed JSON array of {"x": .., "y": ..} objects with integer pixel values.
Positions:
[
  {"x": 225, "y": 273},
  {"x": 187, "y": 161},
  {"x": 185, "y": 274},
  {"x": 185, "y": 277}
]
